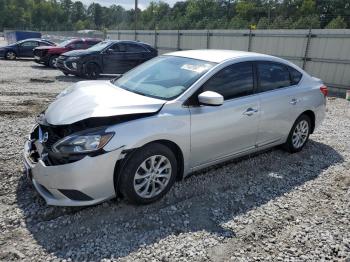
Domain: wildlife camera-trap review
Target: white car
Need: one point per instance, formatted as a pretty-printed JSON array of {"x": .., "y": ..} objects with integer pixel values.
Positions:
[{"x": 177, "y": 113}]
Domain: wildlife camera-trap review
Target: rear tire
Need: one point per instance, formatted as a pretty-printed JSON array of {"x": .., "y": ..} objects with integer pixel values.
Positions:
[
  {"x": 92, "y": 71},
  {"x": 10, "y": 55},
  {"x": 53, "y": 61},
  {"x": 298, "y": 135},
  {"x": 148, "y": 174}
]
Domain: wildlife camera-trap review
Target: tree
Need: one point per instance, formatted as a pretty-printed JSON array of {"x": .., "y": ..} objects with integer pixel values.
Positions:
[
  {"x": 185, "y": 14},
  {"x": 311, "y": 21},
  {"x": 336, "y": 23},
  {"x": 263, "y": 23}
]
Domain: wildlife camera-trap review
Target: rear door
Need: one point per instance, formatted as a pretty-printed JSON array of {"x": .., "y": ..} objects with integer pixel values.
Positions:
[
  {"x": 221, "y": 131},
  {"x": 26, "y": 48},
  {"x": 278, "y": 100},
  {"x": 135, "y": 54}
]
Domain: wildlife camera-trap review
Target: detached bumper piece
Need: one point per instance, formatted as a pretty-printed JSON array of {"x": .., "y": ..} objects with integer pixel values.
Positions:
[{"x": 87, "y": 181}]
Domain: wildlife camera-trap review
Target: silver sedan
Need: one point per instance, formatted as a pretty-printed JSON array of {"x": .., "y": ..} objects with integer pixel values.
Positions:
[{"x": 136, "y": 135}]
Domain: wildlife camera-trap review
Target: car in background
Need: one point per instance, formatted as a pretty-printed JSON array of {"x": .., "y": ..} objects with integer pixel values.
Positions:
[
  {"x": 48, "y": 55},
  {"x": 177, "y": 113},
  {"x": 23, "y": 48},
  {"x": 107, "y": 57}
]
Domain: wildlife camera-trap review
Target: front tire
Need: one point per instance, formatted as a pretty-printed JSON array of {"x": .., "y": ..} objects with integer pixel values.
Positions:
[
  {"x": 92, "y": 71},
  {"x": 299, "y": 134},
  {"x": 148, "y": 174},
  {"x": 53, "y": 61}
]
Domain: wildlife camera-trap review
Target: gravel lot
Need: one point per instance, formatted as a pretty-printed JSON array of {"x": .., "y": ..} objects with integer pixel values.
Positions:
[{"x": 271, "y": 206}]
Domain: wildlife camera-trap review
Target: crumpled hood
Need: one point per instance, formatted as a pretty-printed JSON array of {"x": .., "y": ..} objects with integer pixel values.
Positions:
[{"x": 88, "y": 99}]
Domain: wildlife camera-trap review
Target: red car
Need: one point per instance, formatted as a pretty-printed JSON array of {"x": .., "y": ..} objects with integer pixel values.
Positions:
[{"x": 48, "y": 55}]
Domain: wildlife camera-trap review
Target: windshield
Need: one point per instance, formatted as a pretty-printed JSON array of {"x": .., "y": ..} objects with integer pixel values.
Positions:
[
  {"x": 100, "y": 46},
  {"x": 65, "y": 43},
  {"x": 164, "y": 77}
]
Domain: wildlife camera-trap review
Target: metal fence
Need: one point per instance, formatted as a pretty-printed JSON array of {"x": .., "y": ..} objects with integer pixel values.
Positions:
[
  {"x": 324, "y": 53},
  {"x": 59, "y": 36}
]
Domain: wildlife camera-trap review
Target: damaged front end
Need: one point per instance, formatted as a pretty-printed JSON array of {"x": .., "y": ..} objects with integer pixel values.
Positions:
[{"x": 63, "y": 144}]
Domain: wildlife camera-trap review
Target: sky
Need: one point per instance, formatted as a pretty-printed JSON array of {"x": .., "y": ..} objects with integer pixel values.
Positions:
[{"x": 127, "y": 4}]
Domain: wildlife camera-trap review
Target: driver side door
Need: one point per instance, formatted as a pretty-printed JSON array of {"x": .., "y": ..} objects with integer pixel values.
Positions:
[
  {"x": 114, "y": 59},
  {"x": 26, "y": 48},
  {"x": 222, "y": 131}
]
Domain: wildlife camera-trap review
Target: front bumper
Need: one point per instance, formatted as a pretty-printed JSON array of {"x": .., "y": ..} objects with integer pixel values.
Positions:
[
  {"x": 66, "y": 67},
  {"x": 85, "y": 182}
]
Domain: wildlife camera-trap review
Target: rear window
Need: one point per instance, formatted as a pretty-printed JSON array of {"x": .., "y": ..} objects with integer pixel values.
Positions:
[
  {"x": 272, "y": 76},
  {"x": 91, "y": 43},
  {"x": 295, "y": 75},
  {"x": 134, "y": 48}
]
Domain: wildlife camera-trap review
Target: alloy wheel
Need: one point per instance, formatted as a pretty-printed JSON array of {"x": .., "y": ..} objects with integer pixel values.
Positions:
[
  {"x": 54, "y": 62},
  {"x": 10, "y": 55},
  {"x": 152, "y": 176},
  {"x": 300, "y": 134}
]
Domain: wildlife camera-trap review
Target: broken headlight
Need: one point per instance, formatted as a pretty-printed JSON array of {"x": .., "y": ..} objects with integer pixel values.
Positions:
[{"x": 82, "y": 143}]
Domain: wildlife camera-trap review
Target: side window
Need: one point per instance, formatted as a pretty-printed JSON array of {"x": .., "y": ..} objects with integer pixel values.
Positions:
[
  {"x": 232, "y": 82},
  {"x": 30, "y": 44},
  {"x": 91, "y": 43},
  {"x": 114, "y": 47},
  {"x": 272, "y": 76},
  {"x": 122, "y": 47},
  {"x": 134, "y": 48},
  {"x": 295, "y": 75},
  {"x": 78, "y": 45},
  {"x": 43, "y": 44}
]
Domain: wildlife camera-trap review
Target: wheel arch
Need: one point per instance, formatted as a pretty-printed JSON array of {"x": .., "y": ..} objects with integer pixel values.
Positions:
[
  {"x": 92, "y": 61},
  {"x": 312, "y": 117},
  {"x": 11, "y": 50},
  {"x": 128, "y": 154}
]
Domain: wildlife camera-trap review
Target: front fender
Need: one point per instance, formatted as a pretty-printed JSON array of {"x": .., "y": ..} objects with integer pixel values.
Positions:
[{"x": 171, "y": 126}]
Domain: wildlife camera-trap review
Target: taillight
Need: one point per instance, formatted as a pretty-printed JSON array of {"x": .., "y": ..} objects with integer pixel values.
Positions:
[{"x": 324, "y": 90}]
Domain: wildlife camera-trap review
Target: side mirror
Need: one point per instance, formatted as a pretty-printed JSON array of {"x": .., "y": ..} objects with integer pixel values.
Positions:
[
  {"x": 109, "y": 51},
  {"x": 210, "y": 98}
]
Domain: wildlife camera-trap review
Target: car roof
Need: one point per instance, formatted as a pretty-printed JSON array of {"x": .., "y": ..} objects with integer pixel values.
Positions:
[
  {"x": 35, "y": 39},
  {"x": 216, "y": 55},
  {"x": 126, "y": 41},
  {"x": 88, "y": 39}
]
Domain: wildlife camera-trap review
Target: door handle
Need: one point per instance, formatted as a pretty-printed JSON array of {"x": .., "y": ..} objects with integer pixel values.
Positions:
[
  {"x": 250, "y": 111},
  {"x": 294, "y": 101}
]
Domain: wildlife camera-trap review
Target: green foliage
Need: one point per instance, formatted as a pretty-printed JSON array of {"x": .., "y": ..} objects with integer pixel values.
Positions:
[
  {"x": 185, "y": 14},
  {"x": 310, "y": 21},
  {"x": 336, "y": 23}
]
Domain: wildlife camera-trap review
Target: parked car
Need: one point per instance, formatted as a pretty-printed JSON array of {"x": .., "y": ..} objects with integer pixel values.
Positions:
[
  {"x": 166, "y": 118},
  {"x": 23, "y": 48},
  {"x": 48, "y": 55},
  {"x": 107, "y": 57}
]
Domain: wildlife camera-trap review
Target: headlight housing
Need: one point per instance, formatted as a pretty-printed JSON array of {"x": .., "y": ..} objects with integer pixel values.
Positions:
[{"x": 82, "y": 143}]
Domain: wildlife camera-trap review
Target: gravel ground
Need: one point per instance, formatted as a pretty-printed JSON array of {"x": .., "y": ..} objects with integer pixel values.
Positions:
[{"x": 272, "y": 206}]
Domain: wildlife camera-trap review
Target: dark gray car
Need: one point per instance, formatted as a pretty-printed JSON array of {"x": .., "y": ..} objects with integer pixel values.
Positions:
[{"x": 107, "y": 57}]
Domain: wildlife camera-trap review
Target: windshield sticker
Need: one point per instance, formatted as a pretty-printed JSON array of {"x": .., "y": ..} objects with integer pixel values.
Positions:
[{"x": 196, "y": 68}]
